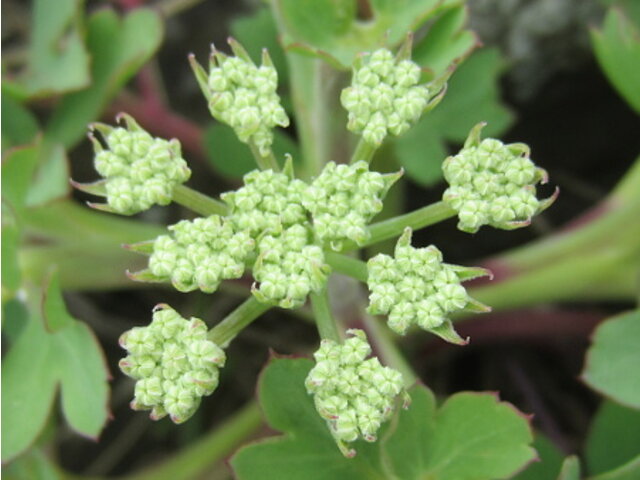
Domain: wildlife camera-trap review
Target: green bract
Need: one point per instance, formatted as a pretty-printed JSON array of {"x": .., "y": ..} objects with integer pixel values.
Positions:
[
  {"x": 416, "y": 288},
  {"x": 384, "y": 96},
  {"x": 139, "y": 170},
  {"x": 491, "y": 183},
  {"x": 201, "y": 253},
  {"x": 173, "y": 362},
  {"x": 343, "y": 199},
  {"x": 243, "y": 95},
  {"x": 354, "y": 394}
]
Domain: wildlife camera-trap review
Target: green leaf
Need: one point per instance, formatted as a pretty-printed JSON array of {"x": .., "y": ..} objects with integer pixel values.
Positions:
[
  {"x": 628, "y": 471},
  {"x": 330, "y": 29},
  {"x": 259, "y": 31},
  {"x": 472, "y": 97},
  {"x": 549, "y": 464},
  {"x": 119, "y": 47},
  {"x": 472, "y": 436},
  {"x": 570, "y": 469},
  {"x": 51, "y": 179},
  {"x": 446, "y": 41},
  {"x": 613, "y": 438},
  {"x": 10, "y": 242},
  {"x": 57, "y": 58},
  {"x": 613, "y": 359},
  {"x": 34, "y": 175},
  {"x": 617, "y": 48},
  {"x": 232, "y": 158},
  {"x": 23, "y": 126},
  {"x": 33, "y": 464},
  {"x": 31, "y": 371},
  {"x": 54, "y": 311},
  {"x": 18, "y": 168}
]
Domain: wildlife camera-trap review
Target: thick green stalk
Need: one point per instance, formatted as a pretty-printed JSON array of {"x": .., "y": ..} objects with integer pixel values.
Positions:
[
  {"x": 326, "y": 323},
  {"x": 560, "y": 281},
  {"x": 232, "y": 325},
  {"x": 198, "y": 202},
  {"x": 265, "y": 162},
  {"x": 349, "y": 266},
  {"x": 311, "y": 112},
  {"x": 195, "y": 460}
]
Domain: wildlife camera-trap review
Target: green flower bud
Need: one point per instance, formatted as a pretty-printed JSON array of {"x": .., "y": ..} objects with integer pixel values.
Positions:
[
  {"x": 343, "y": 199},
  {"x": 243, "y": 95},
  {"x": 139, "y": 170},
  {"x": 353, "y": 394},
  {"x": 493, "y": 184},
  {"x": 384, "y": 96},
  {"x": 173, "y": 362},
  {"x": 416, "y": 288}
]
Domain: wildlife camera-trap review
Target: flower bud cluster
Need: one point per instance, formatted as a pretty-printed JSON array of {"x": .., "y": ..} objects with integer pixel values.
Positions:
[
  {"x": 384, "y": 96},
  {"x": 343, "y": 199},
  {"x": 289, "y": 267},
  {"x": 173, "y": 362},
  {"x": 244, "y": 96},
  {"x": 491, "y": 183},
  {"x": 201, "y": 253},
  {"x": 140, "y": 170},
  {"x": 354, "y": 394},
  {"x": 414, "y": 287},
  {"x": 268, "y": 201}
]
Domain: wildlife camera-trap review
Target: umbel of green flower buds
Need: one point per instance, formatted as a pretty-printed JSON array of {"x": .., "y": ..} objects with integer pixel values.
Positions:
[
  {"x": 416, "y": 288},
  {"x": 173, "y": 362},
  {"x": 139, "y": 170},
  {"x": 200, "y": 254},
  {"x": 355, "y": 395},
  {"x": 343, "y": 199},
  {"x": 243, "y": 95},
  {"x": 384, "y": 96},
  {"x": 289, "y": 267},
  {"x": 268, "y": 201},
  {"x": 491, "y": 183}
]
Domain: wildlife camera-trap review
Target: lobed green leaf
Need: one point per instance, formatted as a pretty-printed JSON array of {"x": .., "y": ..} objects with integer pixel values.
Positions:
[{"x": 613, "y": 358}]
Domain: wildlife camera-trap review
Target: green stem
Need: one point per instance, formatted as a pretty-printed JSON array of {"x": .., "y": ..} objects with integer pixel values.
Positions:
[
  {"x": 327, "y": 326},
  {"x": 390, "y": 352},
  {"x": 560, "y": 281},
  {"x": 364, "y": 151},
  {"x": 194, "y": 460},
  {"x": 232, "y": 325},
  {"x": 265, "y": 162},
  {"x": 198, "y": 202},
  {"x": 349, "y": 266},
  {"x": 311, "y": 111},
  {"x": 393, "y": 227}
]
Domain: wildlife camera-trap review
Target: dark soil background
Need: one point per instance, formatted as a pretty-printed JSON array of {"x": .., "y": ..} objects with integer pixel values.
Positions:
[{"x": 579, "y": 130}]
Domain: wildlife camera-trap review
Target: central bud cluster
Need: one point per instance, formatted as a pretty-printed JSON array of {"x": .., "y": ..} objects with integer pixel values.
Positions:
[
  {"x": 173, "y": 362},
  {"x": 384, "y": 96},
  {"x": 277, "y": 224},
  {"x": 343, "y": 199},
  {"x": 354, "y": 394},
  {"x": 139, "y": 170},
  {"x": 289, "y": 267}
]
